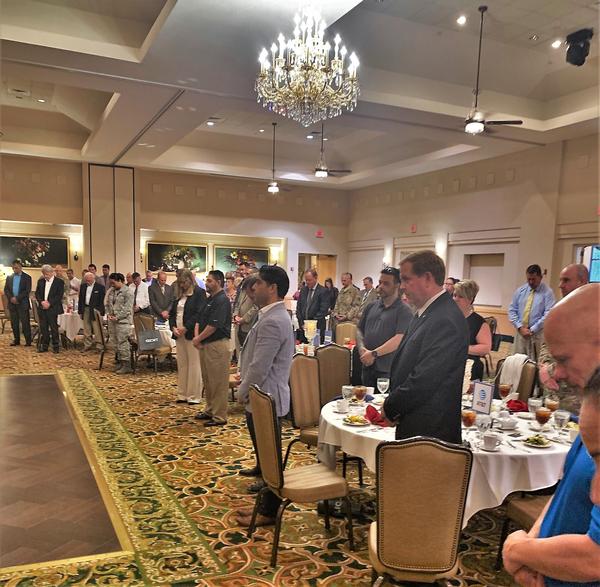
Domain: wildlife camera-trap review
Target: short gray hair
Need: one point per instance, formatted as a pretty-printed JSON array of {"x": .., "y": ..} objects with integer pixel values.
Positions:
[
  {"x": 47, "y": 269},
  {"x": 467, "y": 289}
]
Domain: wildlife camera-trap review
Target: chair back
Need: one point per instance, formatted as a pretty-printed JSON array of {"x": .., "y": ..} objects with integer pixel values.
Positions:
[
  {"x": 492, "y": 322},
  {"x": 142, "y": 322},
  {"x": 268, "y": 437},
  {"x": 527, "y": 380},
  {"x": 304, "y": 391},
  {"x": 421, "y": 492},
  {"x": 98, "y": 319},
  {"x": 4, "y": 304},
  {"x": 345, "y": 330},
  {"x": 334, "y": 370}
]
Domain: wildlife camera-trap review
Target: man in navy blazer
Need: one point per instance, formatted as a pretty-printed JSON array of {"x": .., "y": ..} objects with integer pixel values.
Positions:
[
  {"x": 265, "y": 361},
  {"x": 313, "y": 303},
  {"x": 49, "y": 294},
  {"x": 91, "y": 297},
  {"x": 17, "y": 289},
  {"x": 428, "y": 369}
]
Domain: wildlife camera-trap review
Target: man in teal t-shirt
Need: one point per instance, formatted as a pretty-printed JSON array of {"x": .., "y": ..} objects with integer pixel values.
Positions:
[{"x": 563, "y": 546}]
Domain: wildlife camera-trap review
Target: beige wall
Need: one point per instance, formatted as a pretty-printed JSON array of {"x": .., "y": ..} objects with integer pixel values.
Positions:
[
  {"x": 533, "y": 206},
  {"x": 188, "y": 203}
]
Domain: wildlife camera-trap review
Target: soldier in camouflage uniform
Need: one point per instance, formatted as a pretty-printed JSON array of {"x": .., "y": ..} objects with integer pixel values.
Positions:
[
  {"x": 347, "y": 305},
  {"x": 119, "y": 310}
]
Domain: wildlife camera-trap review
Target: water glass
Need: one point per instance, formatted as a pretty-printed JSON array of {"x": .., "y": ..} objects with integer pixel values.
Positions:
[
  {"x": 347, "y": 391},
  {"x": 483, "y": 422},
  {"x": 533, "y": 403},
  {"x": 383, "y": 384},
  {"x": 561, "y": 419}
]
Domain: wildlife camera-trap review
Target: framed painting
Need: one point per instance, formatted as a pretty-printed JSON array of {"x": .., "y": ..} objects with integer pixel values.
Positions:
[
  {"x": 34, "y": 251},
  {"x": 230, "y": 258},
  {"x": 172, "y": 256}
]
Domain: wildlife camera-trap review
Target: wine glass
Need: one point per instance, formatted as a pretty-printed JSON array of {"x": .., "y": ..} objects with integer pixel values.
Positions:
[
  {"x": 483, "y": 422},
  {"x": 551, "y": 402},
  {"x": 383, "y": 384},
  {"x": 561, "y": 419}
]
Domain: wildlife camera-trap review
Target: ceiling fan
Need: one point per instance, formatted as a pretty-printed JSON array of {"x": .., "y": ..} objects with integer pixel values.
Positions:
[
  {"x": 321, "y": 169},
  {"x": 476, "y": 122}
]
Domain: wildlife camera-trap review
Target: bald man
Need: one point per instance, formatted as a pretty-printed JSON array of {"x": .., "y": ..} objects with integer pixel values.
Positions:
[
  {"x": 563, "y": 546},
  {"x": 571, "y": 278}
]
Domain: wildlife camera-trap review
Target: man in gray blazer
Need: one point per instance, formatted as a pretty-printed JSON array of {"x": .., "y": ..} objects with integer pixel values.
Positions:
[
  {"x": 160, "y": 294},
  {"x": 265, "y": 361}
]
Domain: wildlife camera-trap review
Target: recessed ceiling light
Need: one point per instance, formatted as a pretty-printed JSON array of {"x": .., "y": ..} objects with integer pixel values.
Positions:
[
  {"x": 325, "y": 139},
  {"x": 142, "y": 144},
  {"x": 310, "y": 136},
  {"x": 556, "y": 44},
  {"x": 461, "y": 20},
  {"x": 533, "y": 37},
  {"x": 41, "y": 100},
  {"x": 150, "y": 146},
  {"x": 210, "y": 123},
  {"x": 261, "y": 130}
]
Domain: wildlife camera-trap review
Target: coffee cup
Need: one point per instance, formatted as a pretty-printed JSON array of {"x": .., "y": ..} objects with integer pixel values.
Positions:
[
  {"x": 491, "y": 441},
  {"x": 342, "y": 406}
]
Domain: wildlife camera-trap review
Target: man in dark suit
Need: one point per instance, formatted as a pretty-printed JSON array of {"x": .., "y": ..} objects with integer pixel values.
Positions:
[
  {"x": 428, "y": 369},
  {"x": 17, "y": 289},
  {"x": 313, "y": 304},
  {"x": 49, "y": 294},
  {"x": 161, "y": 297},
  {"x": 91, "y": 297}
]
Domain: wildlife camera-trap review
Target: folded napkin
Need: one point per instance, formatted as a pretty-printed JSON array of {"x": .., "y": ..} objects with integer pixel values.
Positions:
[
  {"x": 375, "y": 417},
  {"x": 516, "y": 405}
]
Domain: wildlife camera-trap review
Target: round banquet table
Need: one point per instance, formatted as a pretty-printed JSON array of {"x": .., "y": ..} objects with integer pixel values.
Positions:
[
  {"x": 70, "y": 324},
  {"x": 494, "y": 474}
]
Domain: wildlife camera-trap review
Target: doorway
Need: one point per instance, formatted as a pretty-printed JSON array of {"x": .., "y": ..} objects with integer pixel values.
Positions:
[{"x": 326, "y": 266}]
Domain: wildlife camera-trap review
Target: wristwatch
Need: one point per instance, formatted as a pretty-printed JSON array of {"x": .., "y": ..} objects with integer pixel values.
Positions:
[{"x": 374, "y": 354}]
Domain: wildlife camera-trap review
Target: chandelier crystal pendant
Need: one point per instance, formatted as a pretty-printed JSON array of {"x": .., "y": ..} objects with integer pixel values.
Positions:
[{"x": 304, "y": 78}]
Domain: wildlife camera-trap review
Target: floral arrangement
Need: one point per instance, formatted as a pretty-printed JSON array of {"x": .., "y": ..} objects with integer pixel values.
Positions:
[
  {"x": 31, "y": 251},
  {"x": 239, "y": 256},
  {"x": 178, "y": 257}
]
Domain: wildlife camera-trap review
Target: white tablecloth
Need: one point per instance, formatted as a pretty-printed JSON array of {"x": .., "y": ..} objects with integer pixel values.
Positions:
[
  {"x": 70, "y": 325},
  {"x": 494, "y": 475}
]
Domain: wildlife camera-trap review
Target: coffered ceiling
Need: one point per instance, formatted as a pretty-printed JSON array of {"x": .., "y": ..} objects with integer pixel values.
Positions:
[{"x": 133, "y": 82}]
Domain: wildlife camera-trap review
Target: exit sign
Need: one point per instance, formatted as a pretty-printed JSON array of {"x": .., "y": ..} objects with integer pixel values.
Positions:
[{"x": 319, "y": 234}]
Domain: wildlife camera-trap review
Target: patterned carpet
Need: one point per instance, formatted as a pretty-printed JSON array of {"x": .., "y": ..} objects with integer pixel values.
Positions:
[{"x": 197, "y": 469}]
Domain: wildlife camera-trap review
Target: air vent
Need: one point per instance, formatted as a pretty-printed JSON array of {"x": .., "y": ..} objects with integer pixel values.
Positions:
[{"x": 19, "y": 92}]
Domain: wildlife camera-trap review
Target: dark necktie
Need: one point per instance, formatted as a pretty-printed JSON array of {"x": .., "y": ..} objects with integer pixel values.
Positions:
[
  {"x": 135, "y": 296},
  {"x": 308, "y": 301}
]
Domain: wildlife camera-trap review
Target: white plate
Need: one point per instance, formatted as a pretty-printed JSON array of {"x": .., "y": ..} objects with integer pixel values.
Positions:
[
  {"x": 525, "y": 415},
  {"x": 537, "y": 445},
  {"x": 338, "y": 412},
  {"x": 356, "y": 423},
  {"x": 537, "y": 428},
  {"x": 497, "y": 449}
]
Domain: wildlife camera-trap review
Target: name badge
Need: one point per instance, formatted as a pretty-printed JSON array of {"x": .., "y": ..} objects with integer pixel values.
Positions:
[{"x": 483, "y": 393}]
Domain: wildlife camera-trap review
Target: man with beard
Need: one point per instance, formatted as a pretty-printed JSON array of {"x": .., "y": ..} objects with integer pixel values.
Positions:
[{"x": 563, "y": 546}]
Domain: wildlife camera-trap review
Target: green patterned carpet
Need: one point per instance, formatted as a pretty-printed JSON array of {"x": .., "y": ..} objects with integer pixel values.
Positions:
[{"x": 190, "y": 478}]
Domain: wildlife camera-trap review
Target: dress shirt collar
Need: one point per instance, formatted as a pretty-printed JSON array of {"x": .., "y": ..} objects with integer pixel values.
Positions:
[{"x": 428, "y": 303}]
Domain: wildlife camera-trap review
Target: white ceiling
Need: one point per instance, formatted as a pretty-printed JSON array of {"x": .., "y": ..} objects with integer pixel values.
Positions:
[{"x": 141, "y": 87}]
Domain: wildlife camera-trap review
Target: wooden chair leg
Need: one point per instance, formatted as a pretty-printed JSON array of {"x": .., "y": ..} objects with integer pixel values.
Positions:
[
  {"x": 280, "y": 511},
  {"x": 326, "y": 514},
  {"x": 350, "y": 526},
  {"x": 503, "y": 535}
]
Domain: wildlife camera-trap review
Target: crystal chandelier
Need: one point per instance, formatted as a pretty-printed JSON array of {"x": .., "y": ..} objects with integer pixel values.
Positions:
[{"x": 302, "y": 80}]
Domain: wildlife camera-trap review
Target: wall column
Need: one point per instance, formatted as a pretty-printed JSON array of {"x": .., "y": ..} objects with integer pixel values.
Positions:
[{"x": 110, "y": 232}]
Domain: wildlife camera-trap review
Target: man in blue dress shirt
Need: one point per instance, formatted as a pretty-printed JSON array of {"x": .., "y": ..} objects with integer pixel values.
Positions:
[
  {"x": 563, "y": 546},
  {"x": 17, "y": 290},
  {"x": 528, "y": 310}
]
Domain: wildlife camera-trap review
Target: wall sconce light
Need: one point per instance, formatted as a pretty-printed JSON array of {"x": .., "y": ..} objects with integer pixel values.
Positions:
[{"x": 76, "y": 256}]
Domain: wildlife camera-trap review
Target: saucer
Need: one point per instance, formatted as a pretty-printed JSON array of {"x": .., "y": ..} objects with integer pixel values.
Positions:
[
  {"x": 497, "y": 449},
  {"x": 525, "y": 415},
  {"x": 338, "y": 412},
  {"x": 537, "y": 428}
]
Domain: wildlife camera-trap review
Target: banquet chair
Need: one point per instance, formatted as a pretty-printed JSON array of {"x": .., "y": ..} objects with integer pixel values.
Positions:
[
  {"x": 305, "y": 484},
  {"x": 345, "y": 330},
  {"x": 4, "y": 311},
  {"x": 305, "y": 400},
  {"x": 35, "y": 323},
  {"x": 492, "y": 322},
  {"x": 421, "y": 493},
  {"x": 334, "y": 372},
  {"x": 141, "y": 323},
  {"x": 527, "y": 380},
  {"x": 103, "y": 338},
  {"x": 522, "y": 511}
]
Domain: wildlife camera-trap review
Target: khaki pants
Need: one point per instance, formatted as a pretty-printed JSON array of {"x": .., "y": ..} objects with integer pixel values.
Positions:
[
  {"x": 215, "y": 359},
  {"x": 189, "y": 373},
  {"x": 529, "y": 346},
  {"x": 90, "y": 326}
]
